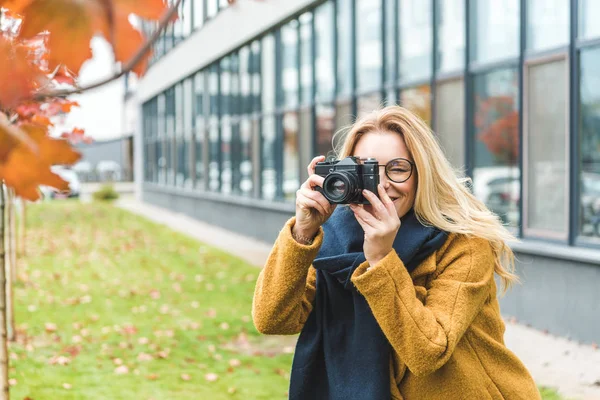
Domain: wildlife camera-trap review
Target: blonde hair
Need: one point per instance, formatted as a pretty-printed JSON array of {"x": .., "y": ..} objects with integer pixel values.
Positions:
[{"x": 443, "y": 199}]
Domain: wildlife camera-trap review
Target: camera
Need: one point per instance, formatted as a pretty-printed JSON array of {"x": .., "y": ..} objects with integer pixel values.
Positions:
[{"x": 345, "y": 179}]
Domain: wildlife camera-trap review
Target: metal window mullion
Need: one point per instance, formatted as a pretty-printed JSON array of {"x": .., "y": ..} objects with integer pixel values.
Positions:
[
  {"x": 313, "y": 91},
  {"x": 574, "y": 149},
  {"x": 219, "y": 131},
  {"x": 353, "y": 80},
  {"x": 521, "y": 157},
  {"x": 299, "y": 44},
  {"x": 469, "y": 142},
  {"x": 192, "y": 150},
  {"x": 383, "y": 43},
  {"x": 278, "y": 115},
  {"x": 258, "y": 192},
  {"x": 434, "y": 60}
]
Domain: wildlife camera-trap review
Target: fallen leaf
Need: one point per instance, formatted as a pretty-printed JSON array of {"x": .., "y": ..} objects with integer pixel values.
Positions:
[
  {"x": 144, "y": 357},
  {"x": 211, "y": 377},
  {"x": 121, "y": 370},
  {"x": 186, "y": 377}
]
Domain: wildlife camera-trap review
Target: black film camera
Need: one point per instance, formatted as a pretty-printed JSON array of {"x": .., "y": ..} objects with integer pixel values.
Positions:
[{"x": 345, "y": 179}]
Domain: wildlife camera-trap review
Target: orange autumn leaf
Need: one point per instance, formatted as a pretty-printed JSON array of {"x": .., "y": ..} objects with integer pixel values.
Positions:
[
  {"x": 127, "y": 41},
  {"x": 18, "y": 76},
  {"x": 24, "y": 169},
  {"x": 148, "y": 9},
  {"x": 15, "y": 6},
  {"x": 71, "y": 23},
  {"x": 76, "y": 136}
]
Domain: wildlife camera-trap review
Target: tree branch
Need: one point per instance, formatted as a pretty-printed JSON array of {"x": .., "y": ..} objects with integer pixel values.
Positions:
[{"x": 162, "y": 24}]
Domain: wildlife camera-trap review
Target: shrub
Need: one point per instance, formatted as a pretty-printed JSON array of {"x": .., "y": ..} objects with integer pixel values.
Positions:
[{"x": 106, "y": 193}]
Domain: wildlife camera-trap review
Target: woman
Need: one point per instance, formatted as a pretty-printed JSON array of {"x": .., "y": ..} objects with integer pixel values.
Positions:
[{"x": 396, "y": 299}]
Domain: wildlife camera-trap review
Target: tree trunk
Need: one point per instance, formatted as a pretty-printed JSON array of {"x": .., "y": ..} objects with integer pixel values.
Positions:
[
  {"x": 21, "y": 240},
  {"x": 13, "y": 235},
  {"x": 10, "y": 252},
  {"x": 4, "y": 390}
]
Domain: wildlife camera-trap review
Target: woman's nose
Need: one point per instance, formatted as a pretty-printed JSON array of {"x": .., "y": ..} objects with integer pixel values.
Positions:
[{"x": 383, "y": 179}]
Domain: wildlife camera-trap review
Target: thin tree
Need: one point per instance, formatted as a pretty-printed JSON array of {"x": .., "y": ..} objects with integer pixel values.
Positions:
[
  {"x": 4, "y": 366},
  {"x": 11, "y": 264}
]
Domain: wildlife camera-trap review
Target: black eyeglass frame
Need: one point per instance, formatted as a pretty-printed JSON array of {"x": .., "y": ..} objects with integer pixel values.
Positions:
[{"x": 413, "y": 166}]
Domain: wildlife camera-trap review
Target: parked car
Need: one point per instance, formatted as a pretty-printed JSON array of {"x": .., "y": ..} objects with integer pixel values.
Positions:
[
  {"x": 109, "y": 171},
  {"x": 68, "y": 175}
]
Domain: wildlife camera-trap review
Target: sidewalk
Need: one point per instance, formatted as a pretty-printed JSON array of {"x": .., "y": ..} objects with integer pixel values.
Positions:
[{"x": 571, "y": 368}]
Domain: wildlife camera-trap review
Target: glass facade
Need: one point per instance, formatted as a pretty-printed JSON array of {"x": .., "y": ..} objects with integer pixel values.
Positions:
[
  {"x": 509, "y": 87},
  {"x": 193, "y": 14}
]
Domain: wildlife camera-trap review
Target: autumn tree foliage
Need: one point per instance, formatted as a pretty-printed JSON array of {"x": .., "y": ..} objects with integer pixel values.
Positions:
[
  {"x": 43, "y": 44},
  {"x": 497, "y": 122}
]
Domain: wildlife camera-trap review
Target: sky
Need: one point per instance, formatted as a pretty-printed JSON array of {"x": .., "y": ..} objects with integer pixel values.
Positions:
[{"x": 101, "y": 110}]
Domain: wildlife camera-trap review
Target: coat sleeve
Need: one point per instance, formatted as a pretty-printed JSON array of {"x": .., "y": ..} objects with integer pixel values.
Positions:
[
  {"x": 425, "y": 334},
  {"x": 286, "y": 287}
]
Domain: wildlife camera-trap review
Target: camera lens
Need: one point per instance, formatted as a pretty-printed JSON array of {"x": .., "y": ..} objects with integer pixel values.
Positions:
[{"x": 339, "y": 187}]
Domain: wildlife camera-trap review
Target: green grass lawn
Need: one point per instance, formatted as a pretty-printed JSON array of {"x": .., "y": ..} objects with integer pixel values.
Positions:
[
  {"x": 111, "y": 306},
  {"x": 135, "y": 311}
]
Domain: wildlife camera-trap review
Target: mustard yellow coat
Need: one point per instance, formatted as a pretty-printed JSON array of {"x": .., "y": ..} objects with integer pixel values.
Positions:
[{"x": 443, "y": 320}]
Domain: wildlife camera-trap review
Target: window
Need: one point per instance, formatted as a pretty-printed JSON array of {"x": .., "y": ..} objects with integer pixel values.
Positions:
[
  {"x": 214, "y": 149},
  {"x": 368, "y": 103},
  {"x": 291, "y": 173},
  {"x": 418, "y": 100},
  {"x": 547, "y": 24},
  {"x": 181, "y": 157},
  {"x": 170, "y": 135},
  {"x": 324, "y": 38},
  {"x": 391, "y": 40},
  {"x": 289, "y": 74},
  {"x": 496, "y": 175},
  {"x": 188, "y": 120},
  {"x": 450, "y": 119},
  {"x": 244, "y": 185},
  {"x": 162, "y": 147},
  {"x": 415, "y": 40},
  {"x": 589, "y": 137},
  {"x": 268, "y": 74},
  {"x": 495, "y": 33},
  {"x": 451, "y": 35},
  {"x": 269, "y": 173},
  {"x": 589, "y": 11},
  {"x": 345, "y": 51},
  {"x": 325, "y": 116},
  {"x": 546, "y": 147},
  {"x": 306, "y": 58},
  {"x": 198, "y": 12},
  {"x": 368, "y": 40},
  {"x": 228, "y": 92},
  {"x": 211, "y": 8},
  {"x": 200, "y": 126},
  {"x": 343, "y": 115}
]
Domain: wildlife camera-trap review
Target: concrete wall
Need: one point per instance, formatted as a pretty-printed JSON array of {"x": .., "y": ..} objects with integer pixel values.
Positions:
[
  {"x": 558, "y": 295},
  {"x": 259, "y": 219}
]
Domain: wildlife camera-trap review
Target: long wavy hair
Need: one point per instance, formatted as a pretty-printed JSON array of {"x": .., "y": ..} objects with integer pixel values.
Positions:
[{"x": 443, "y": 198}]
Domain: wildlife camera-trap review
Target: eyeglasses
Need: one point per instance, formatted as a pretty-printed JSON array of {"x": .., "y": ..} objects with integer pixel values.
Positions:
[{"x": 399, "y": 170}]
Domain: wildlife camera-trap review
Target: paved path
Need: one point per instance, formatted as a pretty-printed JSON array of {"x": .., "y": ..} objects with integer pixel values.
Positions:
[{"x": 571, "y": 368}]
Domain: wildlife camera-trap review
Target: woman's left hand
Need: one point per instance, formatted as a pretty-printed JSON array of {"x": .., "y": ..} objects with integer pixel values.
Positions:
[{"x": 380, "y": 222}]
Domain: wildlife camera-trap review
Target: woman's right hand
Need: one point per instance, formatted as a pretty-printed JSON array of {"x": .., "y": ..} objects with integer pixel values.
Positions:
[{"x": 312, "y": 208}]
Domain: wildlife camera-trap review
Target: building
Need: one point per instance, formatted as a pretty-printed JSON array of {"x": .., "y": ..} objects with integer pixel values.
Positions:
[{"x": 239, "y": 98}]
